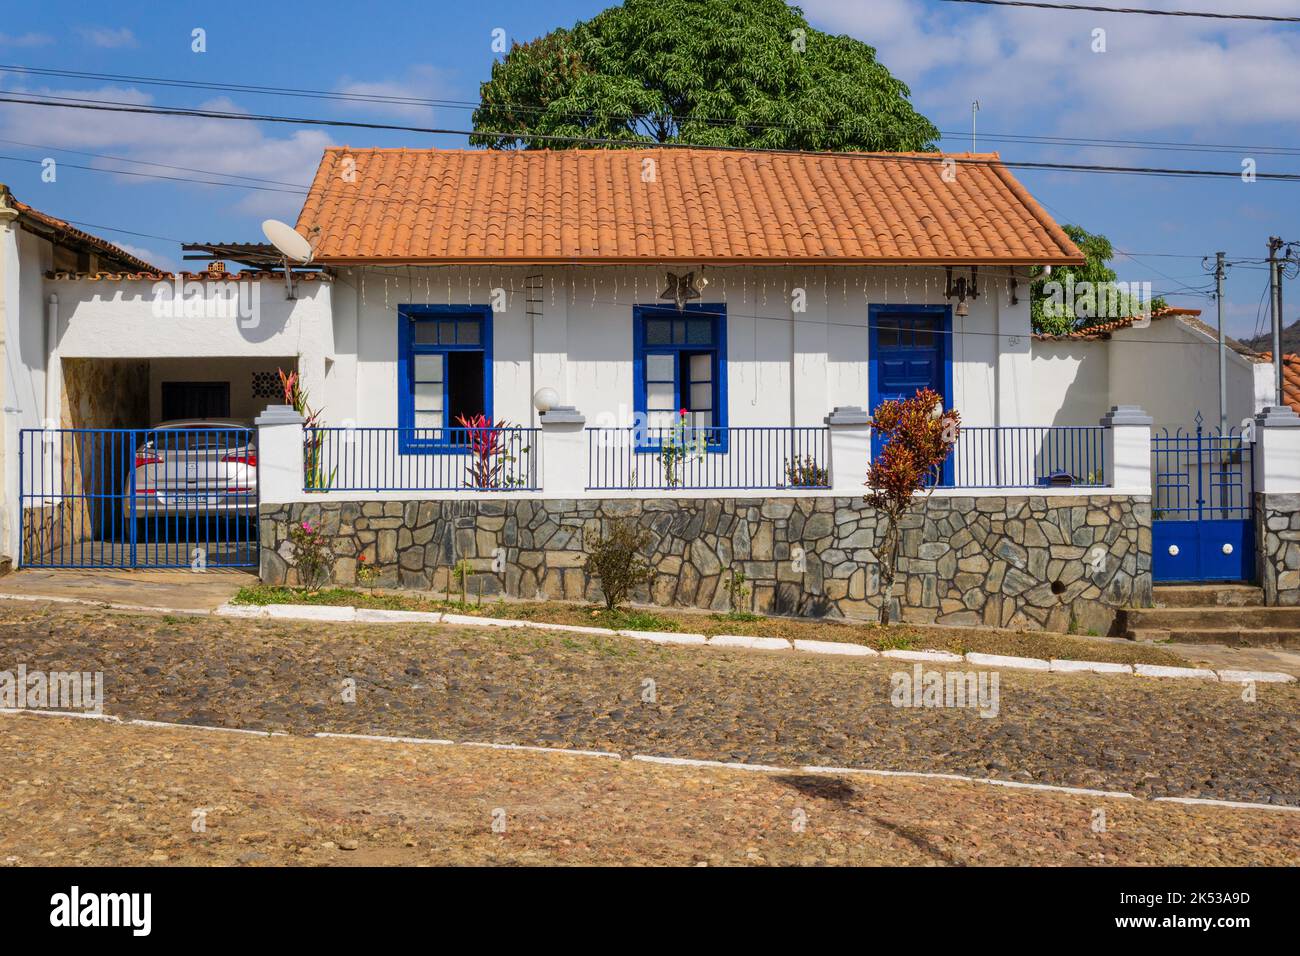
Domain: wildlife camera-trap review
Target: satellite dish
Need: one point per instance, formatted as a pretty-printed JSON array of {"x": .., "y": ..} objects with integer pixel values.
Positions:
[{"x": 288, "y": 240}]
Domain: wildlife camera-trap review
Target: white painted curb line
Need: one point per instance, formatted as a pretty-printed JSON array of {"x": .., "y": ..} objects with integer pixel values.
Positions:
[
  {"x": 692, "y": 762},
  {"x": 670, "y": 761},
  {"x": 289, "y": 612},
  {"x": 1158, "y": 670},
  {"x": 379, "y": 738},
  {"x": 753, "y": 643},
  {"x": 666, "y": 637},
  {"x": 835, "y": 647},
  {"x": 1014, "y": 663},
  {"x": 384, "y": 616},
  {"x": 933, "y": 656},
  {"x": 1092, "y": 667},
  {"x": 1235, "y": 804},
  {"x": 1258, "y": 677}
]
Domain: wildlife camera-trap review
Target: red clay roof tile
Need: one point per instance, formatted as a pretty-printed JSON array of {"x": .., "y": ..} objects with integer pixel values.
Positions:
[{"x": 689, "y": 205}]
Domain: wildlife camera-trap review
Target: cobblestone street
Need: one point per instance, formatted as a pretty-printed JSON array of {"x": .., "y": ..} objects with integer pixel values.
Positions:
[
  {"x": 84, "y": 792},
  {"x": 1148, "y": 737}
]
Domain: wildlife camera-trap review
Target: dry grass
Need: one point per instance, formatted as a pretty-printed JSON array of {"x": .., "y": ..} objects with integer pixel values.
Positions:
[{"x": 896, "y": 636}]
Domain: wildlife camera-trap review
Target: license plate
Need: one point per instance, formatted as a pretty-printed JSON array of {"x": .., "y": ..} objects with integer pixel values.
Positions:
[{"x": 196, "y": 499}]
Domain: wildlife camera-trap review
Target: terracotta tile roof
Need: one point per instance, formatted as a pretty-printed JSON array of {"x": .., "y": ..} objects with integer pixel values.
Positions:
[
  {"x": 702, "y": 206},
  {"x": 1290, "y": 377},
  {"x": 1104, "y": 330},
  {"x": 248, "y": 275},
  {"x": 73, "y": 236}
]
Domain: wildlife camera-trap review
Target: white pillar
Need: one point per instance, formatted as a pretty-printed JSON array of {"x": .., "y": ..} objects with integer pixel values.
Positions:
[
  {"x": 1277, "y": 451},
  {"x": 850, "y": 441},
  {"x": 564, "y": 452},
  {"x": 279, "y": 455},
  {"x": 1127, "y": 449}
]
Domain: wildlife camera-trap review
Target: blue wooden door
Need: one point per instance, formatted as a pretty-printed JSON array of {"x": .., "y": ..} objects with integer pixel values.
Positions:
[{"x": 909, "y": 351}]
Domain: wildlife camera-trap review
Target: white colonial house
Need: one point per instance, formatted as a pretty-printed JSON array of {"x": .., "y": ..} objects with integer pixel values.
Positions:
[{"x": 642, "y": 325}]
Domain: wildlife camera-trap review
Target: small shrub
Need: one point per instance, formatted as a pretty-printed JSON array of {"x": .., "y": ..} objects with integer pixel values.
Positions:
[
  {"x": 366, "y": 572},
  {"x": 311, "y": 554},
  {"x": 737, "y": 591},
  {"x": 614, "y": 559},
  {"x": 806, "y": 473}
]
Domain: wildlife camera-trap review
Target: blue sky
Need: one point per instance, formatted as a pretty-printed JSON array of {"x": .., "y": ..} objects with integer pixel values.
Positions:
[{"x": 1034, "y": 73}]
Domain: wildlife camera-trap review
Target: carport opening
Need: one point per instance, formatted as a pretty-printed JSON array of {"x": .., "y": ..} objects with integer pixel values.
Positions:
[{"x": 78, "y": 509}]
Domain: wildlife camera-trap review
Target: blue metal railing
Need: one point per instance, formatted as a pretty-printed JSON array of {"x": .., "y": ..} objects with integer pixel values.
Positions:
[
  {"x": 1027, "y": 456},
  {"x": 1202, "y": 474},
  {"x": 420, "y": 459},
  {"x": 741, "y": 457},
  {"x": 127, "y": 498}
]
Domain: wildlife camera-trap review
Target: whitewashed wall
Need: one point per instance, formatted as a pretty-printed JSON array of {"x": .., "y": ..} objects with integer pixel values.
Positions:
[
  {"x": 783, "y": 367},
  {"x": 24, "y": 259},
  {"x": 1169, "y": 368}
]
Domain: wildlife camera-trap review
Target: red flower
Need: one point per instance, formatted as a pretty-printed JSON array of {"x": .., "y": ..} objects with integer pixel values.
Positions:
[{"x": 683, "y": 413}]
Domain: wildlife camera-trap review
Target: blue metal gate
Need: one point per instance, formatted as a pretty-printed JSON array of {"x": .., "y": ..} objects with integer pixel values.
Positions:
[
  {"x": 169, "y": 497},
  {"x": 1203, "y": 526}
]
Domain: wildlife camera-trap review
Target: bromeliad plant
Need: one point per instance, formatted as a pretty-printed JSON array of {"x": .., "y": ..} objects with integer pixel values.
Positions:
[
  {"x": 919, "y": 436},
  {"x": 313, "y": 457},
  {"x": 494, "y": 451}
]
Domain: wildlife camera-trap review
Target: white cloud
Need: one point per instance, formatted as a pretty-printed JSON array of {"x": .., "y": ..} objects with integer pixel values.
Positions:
[
  {"x": 420, "y": 82},
  {"x": 110, "y": 38},
  {"x": 158, "y": 259},
  {"x": 1157, "y": 73},
  {"x": 25, "y": 39},
  {"x": 227, "y": 147}
]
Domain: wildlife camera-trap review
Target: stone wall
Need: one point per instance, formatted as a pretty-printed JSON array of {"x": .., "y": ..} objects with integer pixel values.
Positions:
[
  {"x": 1026, "y": 561},
  {"x": 1277, "y": 547}
]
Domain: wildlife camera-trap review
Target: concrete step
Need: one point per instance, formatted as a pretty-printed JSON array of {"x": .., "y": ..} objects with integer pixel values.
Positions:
[
  {"x": 1208, "y": 595},
  {"x": 1233, "y": 637},
  {"x": 1181, "y": 618}
]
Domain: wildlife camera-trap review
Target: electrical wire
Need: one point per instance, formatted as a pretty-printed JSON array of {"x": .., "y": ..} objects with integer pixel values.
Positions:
[
  {"x": 1142, "y": 10},
  {"x": 936, "y": 159},
  {"x": 396, "y": 100}
]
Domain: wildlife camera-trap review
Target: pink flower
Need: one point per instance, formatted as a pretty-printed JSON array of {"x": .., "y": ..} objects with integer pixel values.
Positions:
[{"x": 306, "y": 526}]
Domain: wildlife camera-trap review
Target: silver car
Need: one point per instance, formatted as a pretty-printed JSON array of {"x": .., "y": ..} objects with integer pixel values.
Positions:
[{"x": 193, "y": 468}]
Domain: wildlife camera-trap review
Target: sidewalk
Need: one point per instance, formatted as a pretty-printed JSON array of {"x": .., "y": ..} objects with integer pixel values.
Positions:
[{"x": 180, "y": 590}]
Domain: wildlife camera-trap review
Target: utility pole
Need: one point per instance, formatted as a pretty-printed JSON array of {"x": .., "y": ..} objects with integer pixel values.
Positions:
[
  {"x": 1275, "y": 289},
  {"x": 974, "y": 108},
  {"x": 1223, "y": 346}
]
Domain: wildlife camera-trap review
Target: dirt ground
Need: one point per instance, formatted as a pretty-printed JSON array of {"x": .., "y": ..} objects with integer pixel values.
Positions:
[{"x": 87, "y": 792}]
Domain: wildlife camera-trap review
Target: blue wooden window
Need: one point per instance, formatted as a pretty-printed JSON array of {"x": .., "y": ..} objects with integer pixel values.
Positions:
[
  {"x": 680, "y": 362},
  {"x": 444, "y": 373}
]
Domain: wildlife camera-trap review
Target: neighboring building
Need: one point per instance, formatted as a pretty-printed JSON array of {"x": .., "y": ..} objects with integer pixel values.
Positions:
[
  {"x": 33, "y": 244},
  {"x": 1290, "y": 378},
  {"x": 1169, "y": 365}
]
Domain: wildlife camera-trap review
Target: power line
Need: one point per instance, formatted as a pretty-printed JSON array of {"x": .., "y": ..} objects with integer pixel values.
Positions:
[
  {"x": 146, "y": 162},
  {"x": 936, "y": 159},
  {"x": 396, "y": 100},
  {"x": 1142, "y": 10}
]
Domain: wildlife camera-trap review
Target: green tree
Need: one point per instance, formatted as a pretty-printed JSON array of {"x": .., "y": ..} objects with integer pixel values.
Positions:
[
  {"x": 746, "y": 73},
  {"x": 1095, "y": 297}
]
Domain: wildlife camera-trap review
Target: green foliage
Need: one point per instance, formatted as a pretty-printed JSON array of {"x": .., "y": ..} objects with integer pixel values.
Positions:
[
  {"x": 614, "y": 559},
  {"x": 311, "y": 554},
  {"x": 741, "y": 73},
  {"x": 806, "y": 473},
  {"x": 737, "y": 592},
  {"x": 1098, "y": 251}
]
